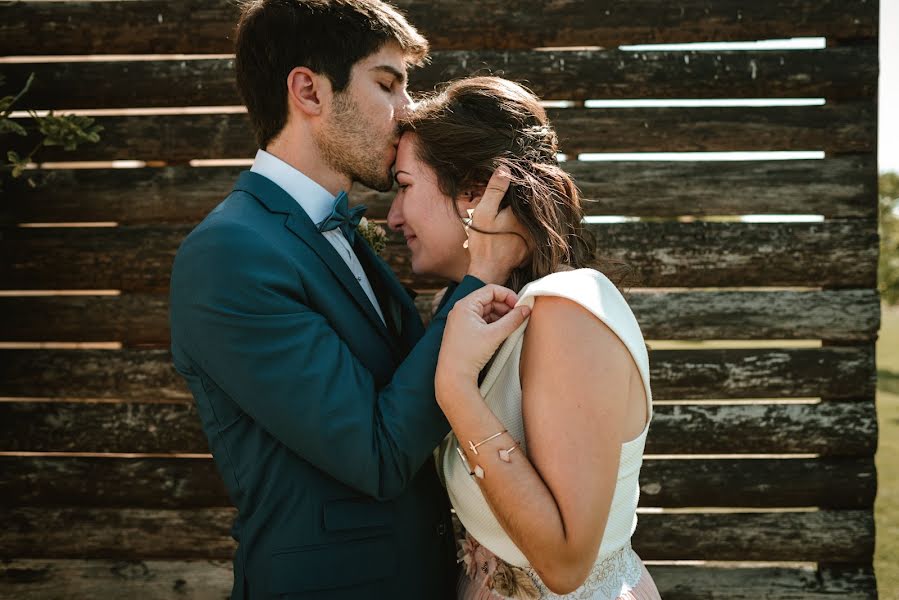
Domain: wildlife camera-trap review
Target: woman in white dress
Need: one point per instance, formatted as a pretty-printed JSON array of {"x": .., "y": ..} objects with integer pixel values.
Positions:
[{"x": 549, "y": 419}]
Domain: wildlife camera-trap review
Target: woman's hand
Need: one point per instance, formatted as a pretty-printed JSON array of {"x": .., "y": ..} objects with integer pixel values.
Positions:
[
  {"x": 495, "y": 254},
  {"x": 475, "y": 328}
]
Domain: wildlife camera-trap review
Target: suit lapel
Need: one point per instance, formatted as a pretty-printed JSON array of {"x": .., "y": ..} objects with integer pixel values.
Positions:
[
  {"x": 298, "y": 222},
  {"x": 401, "y": 305}
]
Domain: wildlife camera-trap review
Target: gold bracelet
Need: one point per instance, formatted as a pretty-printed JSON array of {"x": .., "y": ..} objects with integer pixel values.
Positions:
[
  {"x": 474, "y": 447},
  {"x": 478, "y": 469},
  {"x": 504, "y": 453}
]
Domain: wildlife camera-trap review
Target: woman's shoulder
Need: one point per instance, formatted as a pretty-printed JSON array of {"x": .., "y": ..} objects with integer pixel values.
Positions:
[
  {"x": 594, "y": 293},
  {"x": 587, "y": 287}
]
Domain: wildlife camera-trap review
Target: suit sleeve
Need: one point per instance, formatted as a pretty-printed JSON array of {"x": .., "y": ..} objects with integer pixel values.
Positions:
[{"x": 237, "y": 311}]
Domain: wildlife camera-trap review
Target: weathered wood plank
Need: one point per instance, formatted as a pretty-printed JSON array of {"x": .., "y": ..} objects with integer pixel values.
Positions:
[
  {"x": 726, "y": 582},
  {"x": 832, "y": 372},
  {"x": 142, "y": 319},
  {"x": 838, "y": 186},
  {"x": 826, "y": 536},
  {"x": 119, "y": 534},
  {"x": 758, "y": 483},
  {"x": 131, "y": 374},
  {"x": 834, "y": 187},
  {"x": 149, "y": 428},
  {"x": 205, "y": 26},
  {"x": 832, "y": 73},
  {"x": 787, "y": 373},
  {"x": 27, "y": 579},
  {"x": 195, "y": 483},
  {"x": 845, "y": 315},
  {"x": 765, "y": 428},
  {"x": 835, "y": 128},
  {"x": 137, "y": 319},
  {"x": 33, "y": 579},
  {"x": 836, "y": 253},
  {"x": 111, "y": 482},
  {"x": 706, "y": 254},
  {"x": 831, "y": 429}
]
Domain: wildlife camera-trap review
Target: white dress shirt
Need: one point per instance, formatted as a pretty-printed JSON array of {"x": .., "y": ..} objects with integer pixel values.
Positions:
[{"x": 317, "y": 202}]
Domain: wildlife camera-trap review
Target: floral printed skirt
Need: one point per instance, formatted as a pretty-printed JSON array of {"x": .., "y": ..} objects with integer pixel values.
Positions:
[{"x": 619, "y": 576}]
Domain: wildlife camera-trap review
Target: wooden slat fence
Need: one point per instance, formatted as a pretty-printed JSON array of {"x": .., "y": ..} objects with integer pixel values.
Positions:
[{"x": 760, "y": 457}]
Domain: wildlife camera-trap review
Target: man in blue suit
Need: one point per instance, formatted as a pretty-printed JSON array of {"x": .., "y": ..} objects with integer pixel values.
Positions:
[{"x": 310, "y": 367}]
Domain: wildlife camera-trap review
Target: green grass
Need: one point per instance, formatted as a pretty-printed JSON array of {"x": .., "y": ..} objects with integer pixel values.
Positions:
[{"x": 886, "y": 509}]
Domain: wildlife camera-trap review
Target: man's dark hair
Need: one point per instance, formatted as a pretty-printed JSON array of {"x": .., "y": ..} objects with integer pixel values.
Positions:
[{"x": 327, "y": 36}]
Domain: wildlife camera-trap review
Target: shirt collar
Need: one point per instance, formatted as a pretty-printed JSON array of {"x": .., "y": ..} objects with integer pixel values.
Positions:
[{"x": 312, "y": 198}]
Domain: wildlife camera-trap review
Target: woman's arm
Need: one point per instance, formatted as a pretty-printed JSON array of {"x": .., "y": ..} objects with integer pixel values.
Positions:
[{"x": 577, "y": 379}]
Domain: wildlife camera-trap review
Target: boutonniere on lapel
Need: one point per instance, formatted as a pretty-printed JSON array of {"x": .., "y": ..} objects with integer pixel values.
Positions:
[{"x": 372, "y": 233}]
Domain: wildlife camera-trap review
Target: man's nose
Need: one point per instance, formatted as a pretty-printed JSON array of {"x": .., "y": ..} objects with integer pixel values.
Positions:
[{"x": 405, "y": 105}]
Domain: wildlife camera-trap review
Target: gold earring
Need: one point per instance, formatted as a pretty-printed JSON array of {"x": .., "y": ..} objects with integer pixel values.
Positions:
[{"x": 467, "y": 220}]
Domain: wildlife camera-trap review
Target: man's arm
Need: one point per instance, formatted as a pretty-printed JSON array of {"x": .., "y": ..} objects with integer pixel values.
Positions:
[{"x": 236, "y": 311}]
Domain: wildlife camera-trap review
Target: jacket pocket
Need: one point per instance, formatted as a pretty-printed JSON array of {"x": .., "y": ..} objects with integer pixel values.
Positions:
[
  {"x": 357, "y": 513},
  {"x": 332, "y": 566}
]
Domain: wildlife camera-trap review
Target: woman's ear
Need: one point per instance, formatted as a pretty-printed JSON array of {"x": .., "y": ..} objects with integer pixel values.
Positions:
[{"x": 469, "y": 199}]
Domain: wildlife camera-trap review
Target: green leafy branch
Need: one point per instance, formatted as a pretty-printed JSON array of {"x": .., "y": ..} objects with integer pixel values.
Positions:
[{"x": 67, "y": 131}]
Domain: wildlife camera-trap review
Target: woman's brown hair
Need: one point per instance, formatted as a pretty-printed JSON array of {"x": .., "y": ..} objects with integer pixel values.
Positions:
[{"x": 476, "y": 125}]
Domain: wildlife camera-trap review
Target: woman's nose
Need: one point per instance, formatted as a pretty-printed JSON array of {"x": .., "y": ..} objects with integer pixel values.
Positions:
[{"x": 395, "y": 214}]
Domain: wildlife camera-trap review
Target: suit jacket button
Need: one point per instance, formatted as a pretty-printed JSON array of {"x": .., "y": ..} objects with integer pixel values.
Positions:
[{"x": 441, "y": 529}]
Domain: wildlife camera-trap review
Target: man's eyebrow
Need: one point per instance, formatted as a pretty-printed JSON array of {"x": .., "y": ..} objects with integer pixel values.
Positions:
[{"x": 400, "y": 76}]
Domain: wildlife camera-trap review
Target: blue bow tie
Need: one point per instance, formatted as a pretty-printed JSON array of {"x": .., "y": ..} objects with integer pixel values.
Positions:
[{"x": 344, "y": 217}]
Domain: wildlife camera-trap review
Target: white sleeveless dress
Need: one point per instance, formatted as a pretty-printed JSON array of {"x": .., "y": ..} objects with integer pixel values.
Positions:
[{"x": 617, "y": 570}]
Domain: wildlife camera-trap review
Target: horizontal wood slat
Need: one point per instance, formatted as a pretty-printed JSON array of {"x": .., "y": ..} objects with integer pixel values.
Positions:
[
  {"x": 141, "y": 319},
  {"x": 846, "y": 315},
  {"x": 826, "y": 536},
  {"x": 832, "y": 372},
  {"x": 828, "y": 428},
  {"x": 725, "y": 582},
  {"x": 35, "y": 579},
  {"x": 759, "y": 483},
  {"x": 832, "y": 73},
  {"x": 195, "y": 483},
  {"x": 789, "y": 373},
  {"x": 700, "y": 254},
  {"x": 833, "y": 428},
  {"x": 835, "y": 128},
  {"x": 205, "y": 26},
  {"x": 834, "y": 187}
]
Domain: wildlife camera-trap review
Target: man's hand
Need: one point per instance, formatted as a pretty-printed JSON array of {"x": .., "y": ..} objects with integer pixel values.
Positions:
[{"x": 495, "y": 254}]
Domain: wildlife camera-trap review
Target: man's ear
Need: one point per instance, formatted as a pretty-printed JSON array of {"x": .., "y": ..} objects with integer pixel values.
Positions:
[{"x": 307, "y": 90}]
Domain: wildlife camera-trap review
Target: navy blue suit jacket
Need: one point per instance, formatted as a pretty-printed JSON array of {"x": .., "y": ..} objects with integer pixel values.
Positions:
[{"x": 320, "y": 418}]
